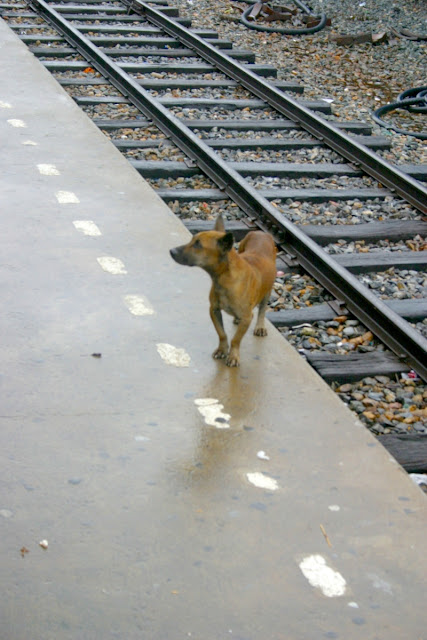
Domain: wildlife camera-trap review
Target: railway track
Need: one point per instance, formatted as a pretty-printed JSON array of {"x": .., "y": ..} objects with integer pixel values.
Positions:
[{"x": 212, "y": 130}]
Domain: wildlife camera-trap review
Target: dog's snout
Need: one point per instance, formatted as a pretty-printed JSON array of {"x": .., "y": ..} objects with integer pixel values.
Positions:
[{"x": 177, "y": 253}]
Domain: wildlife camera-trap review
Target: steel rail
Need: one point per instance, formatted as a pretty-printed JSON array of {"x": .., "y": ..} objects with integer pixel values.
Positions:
[
  {"x": 387, "y": 174},
  {"x": 395, "y": 332}
]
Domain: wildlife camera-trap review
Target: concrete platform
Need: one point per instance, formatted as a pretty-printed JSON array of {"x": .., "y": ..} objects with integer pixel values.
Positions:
[{"x": 155, "y": 530}]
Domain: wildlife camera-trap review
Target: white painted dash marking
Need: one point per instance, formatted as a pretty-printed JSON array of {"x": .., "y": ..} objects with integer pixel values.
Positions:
[
  {"x": 88, "y": 227},
  {"x": 30, "y": 143},
  {"x": 212, "y": 412},
  {"x": 15, "y": 122},
  {"x": 330, "y": 582},
  {"x": 112, "y": 265},
  {"x": 173, "y": 355},
  {"x": 66, "y": 197},
  {"x": 138, "y": 305},
  {"x": 262, "y": 481},
  {"x": 5, "y": 105},
  {"x": 48, "y": 170}
]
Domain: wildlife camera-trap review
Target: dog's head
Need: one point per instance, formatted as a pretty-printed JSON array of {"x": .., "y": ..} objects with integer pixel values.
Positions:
[{"x": 207, "y": 249}]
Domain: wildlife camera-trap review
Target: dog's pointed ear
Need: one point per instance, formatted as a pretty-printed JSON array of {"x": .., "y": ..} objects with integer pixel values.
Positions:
[
  {"x": 226, "y": 242},
  {"x": 219, "y": 223}
]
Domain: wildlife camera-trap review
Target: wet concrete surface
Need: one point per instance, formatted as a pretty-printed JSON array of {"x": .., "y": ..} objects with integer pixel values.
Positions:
[{"x": 154, "y": 528}]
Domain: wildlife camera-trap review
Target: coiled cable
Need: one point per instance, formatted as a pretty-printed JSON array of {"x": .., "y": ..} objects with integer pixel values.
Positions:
[{"x": 414, "y": 100}]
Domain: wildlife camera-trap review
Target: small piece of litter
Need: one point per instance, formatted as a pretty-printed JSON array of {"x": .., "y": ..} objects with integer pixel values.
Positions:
[
  {"x": 5, "y": 513},
  {"x": 262, "y": 455},
  {"x": 23, "y": 551},
  {"x": 322, "y": 529},
  {"x": 411, "y": 375},
  {"x": 334, "y": 507},
  {"x": 96, "y": 355},
  {"x": 353, "y": 605},
  {"x": 43, "y": 544}
]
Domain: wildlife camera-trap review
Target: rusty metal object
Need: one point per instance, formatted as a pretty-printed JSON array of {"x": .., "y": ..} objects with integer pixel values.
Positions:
[
  {"x": 260, "y": 9},
  {"x": 358, "y": 38},
  {"x": 410, "y": 35}
]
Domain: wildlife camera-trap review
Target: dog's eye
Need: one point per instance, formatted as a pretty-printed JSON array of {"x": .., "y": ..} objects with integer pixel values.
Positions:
[{"x": 197, "y": 245}]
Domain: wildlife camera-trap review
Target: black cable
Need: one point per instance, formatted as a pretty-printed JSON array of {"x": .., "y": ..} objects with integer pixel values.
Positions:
[
  {"x": 409, "y": 100},
  {"x": 417, "y": 92}
]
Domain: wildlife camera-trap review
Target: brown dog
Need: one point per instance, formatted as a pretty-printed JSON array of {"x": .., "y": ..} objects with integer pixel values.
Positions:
[{"x": 240, "y": 280}]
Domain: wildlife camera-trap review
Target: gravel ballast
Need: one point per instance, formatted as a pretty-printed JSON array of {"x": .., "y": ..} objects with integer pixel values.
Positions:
[{"x": 359, "y": 77}]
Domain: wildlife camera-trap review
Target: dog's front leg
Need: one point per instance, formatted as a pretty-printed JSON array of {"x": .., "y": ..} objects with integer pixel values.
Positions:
[
  {"x": 233, "y": 359},
  {"x": 216, "y": 317}
]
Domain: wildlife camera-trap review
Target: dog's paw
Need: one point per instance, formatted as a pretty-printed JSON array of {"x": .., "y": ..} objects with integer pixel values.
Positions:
[
  {"x": 260, "y": 331},
  {"x": 233, "y": 360},
  {"x": 219, "y": 353}
]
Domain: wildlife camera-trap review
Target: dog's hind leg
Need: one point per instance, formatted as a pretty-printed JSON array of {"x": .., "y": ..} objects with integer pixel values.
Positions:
[{"x": 260, "y": 329}]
